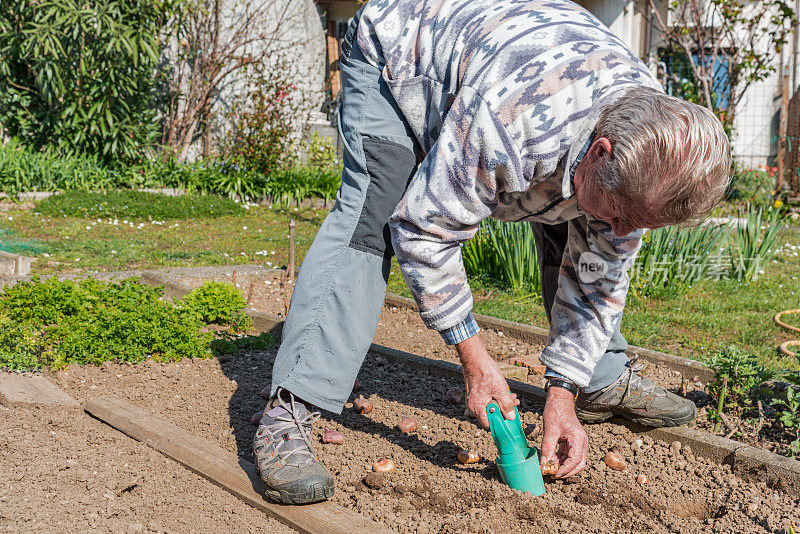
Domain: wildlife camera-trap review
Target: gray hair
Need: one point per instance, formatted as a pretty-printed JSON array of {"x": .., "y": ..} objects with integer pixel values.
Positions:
[{"x": 670, "y": 162}]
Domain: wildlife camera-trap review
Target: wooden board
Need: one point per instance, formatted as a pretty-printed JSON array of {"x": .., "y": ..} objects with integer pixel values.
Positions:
[
  {"x": 225, "y": 469},
  {"x": 21, "y": 390}
]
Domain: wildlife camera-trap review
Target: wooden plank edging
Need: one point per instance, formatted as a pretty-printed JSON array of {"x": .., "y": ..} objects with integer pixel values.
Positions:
[{"x": 226, "y": 470}]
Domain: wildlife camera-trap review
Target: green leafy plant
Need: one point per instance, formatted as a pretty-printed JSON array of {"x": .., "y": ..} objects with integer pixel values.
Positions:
[
  {"x": 219, "y": 303},
  {"x": 504, "y": 252},
  {"x": 755, "y": 241},
  {"x": 81, "y": 76},
  {"x": 672, "y": 259},
  {"x": 263, "y": 118},
  {"x": 322, "y": 154},
  {"x": 56, "y": 323},
  {"x": 261, "y": 342},
  {"x": 737, "y": 384},
  {"x": 135, "y": 205},
  {"x": 788, "y": 413}
]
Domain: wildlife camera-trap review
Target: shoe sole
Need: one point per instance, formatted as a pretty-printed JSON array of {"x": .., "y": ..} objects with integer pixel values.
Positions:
[
  {"x": 656, "y": 422},
  {"x": 315, "y": 493}
]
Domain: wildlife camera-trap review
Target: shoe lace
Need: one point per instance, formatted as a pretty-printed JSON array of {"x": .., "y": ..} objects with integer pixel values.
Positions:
[
  {"x": 636, "y": 370},
  {"x": 293, "y": 421}
]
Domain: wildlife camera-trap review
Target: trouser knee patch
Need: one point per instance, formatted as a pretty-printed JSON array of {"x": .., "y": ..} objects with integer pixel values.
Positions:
[{"x": 390, "y": 167}]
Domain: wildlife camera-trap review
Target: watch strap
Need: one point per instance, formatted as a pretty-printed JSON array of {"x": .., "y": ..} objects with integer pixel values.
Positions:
[{"x": 564, "y": 384}]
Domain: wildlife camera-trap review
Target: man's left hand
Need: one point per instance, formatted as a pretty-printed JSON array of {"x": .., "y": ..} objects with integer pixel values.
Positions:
[{"x": 564, "y": 442}]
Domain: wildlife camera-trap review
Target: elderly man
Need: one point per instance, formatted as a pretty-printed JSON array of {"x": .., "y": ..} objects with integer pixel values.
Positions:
[{"x": 520, "y": 110}]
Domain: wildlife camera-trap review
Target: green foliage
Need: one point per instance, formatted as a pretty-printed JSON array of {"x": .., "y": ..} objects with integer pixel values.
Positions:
[
  {"x": 22, "y": 169},
  {"x": 322, "y": 154},
  {"x": 135, "y": 205},
  {"x": 219, "y": 303},
  {"x": 504, "y": 252},
  {"x": 752, "y": 185},
  {"x": 81, "y": 76},
  {"x": 788, "y": 412},
  {"x": 261, "y": 342},
  {"x": 262, "y": 119},
  {"x": 672, "y": 259},
  {"x": 738, "y": 382},
  {"x": 282, "y": 186},
  {"x": 755, "y": 242},
  {"x": 56, "y": 323}
]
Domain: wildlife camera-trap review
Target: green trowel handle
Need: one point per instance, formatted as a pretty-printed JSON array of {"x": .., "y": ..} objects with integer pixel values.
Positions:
[{"x": 508, "y": 435}]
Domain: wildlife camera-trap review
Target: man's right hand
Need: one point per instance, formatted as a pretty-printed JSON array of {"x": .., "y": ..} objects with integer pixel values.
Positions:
[
  {"x": 562, "y": 430},
  {"x": 484, "y": 382}
]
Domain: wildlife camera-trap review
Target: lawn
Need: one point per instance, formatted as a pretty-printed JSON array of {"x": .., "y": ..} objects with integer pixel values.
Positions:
[{"x": 712, "y": 315}]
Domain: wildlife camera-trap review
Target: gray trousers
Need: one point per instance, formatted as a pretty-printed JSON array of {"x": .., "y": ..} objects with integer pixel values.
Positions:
[{"x": 341, "y": 284}]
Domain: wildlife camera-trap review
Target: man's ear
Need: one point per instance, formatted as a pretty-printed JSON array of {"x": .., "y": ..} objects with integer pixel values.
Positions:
[{"x": 600, "y": 148}]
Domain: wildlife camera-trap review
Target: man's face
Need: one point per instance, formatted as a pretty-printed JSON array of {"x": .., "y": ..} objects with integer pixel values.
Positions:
[{"x": 592, "y": 198}]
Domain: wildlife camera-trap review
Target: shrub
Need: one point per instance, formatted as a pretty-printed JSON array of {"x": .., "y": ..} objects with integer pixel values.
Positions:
[
  {"x": 82, "y": 77},
  {"x": 322, "y": 154},
  {"x": 752, "y": 185},
  {"x": 219, "y": 303},
  {"x": 136, "y": 205},
  {"x": 263, "y": 120}
]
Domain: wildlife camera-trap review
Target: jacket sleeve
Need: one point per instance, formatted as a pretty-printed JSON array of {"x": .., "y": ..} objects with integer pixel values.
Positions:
[
  {"x": 592, "y": 288},
  {"x": 454, "y": 188}
]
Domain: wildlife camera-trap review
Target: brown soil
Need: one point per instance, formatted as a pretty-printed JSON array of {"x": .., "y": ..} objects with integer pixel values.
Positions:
[
  {"x": 403, "y": 329},
  {"x": 62, "y": 471},
  {"x": 95, "y": 478},
  {"x": 430, "y": 491}
]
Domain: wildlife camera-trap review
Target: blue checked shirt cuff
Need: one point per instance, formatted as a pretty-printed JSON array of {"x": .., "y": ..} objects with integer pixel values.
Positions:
[{"x": 460, "y": 332}]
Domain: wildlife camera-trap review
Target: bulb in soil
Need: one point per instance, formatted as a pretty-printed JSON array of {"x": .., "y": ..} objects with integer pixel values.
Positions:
[
  {"x": 356, "y": 385},
  {"x": 454, "y": 396},
  {"x": 549, "y": 469},
  {"x": 332, "y": 436},
  {"x": 642, "y": 480},
  {"x": 468, "y": 457},
  {"x": 362, "y": 405},
  {"x": 614, "y": 461},
  {"x": 383, "y": 466},
  {"x": 407, "y": 425}
]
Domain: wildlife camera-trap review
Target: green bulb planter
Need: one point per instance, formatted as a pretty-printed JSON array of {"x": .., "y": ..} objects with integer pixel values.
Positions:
[{"x": 517, "y": 462}]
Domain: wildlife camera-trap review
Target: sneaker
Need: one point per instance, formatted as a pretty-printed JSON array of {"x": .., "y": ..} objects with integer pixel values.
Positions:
[
  {"x": 285, "y": 459},
  {"x": 636, "y": 398}
]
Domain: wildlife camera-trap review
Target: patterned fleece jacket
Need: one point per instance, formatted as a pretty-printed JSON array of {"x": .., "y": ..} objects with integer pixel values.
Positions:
[{"x": 503, "y": 97}]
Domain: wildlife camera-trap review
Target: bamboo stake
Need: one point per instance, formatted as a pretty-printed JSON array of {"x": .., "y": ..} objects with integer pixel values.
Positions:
[
  {"x": 290, "y": 266},
  {"x": 783, "y": 128}
]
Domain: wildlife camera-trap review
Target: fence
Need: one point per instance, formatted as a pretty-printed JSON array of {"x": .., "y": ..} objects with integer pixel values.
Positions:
[{"x": 792, "y": 162}]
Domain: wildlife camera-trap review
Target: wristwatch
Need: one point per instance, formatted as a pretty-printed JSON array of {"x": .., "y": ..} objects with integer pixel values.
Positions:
[{"x": 564, "y": 384}]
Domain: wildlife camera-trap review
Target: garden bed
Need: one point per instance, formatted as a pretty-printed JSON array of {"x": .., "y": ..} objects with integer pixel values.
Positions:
[
  {"x": 403, "y": 329},
  {"x": 431, "y": 491}
]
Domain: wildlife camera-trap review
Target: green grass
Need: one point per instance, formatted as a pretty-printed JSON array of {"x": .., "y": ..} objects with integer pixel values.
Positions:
[
  {"x": 708, "y": 317},
  {"x": 136, "y": 205}
]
